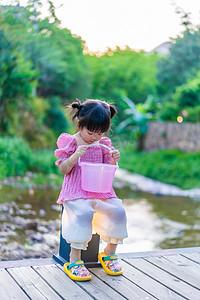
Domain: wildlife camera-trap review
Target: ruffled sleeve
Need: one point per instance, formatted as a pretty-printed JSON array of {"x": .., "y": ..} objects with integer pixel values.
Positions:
[
  {"x": 106, "y": 156},
  {"x": 66, "y": 147}
]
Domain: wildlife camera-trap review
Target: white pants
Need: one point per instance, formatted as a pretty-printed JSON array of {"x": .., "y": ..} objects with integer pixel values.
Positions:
[{"x": 107, "y": 218}]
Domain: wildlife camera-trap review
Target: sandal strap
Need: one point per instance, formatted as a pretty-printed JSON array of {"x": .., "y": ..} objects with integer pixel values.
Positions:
[
  {"x": 75, "y": 263},
  {"x": 110, "y": 257}
]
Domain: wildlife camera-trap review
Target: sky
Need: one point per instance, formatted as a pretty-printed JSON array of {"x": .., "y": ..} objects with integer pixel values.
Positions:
[{"x": 139, "y": 24}]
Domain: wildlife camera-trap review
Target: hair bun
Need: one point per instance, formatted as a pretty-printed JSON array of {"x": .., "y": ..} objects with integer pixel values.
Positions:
[
  {"x": 113, "y": 111},
  {"x": 76, "y": 105}
]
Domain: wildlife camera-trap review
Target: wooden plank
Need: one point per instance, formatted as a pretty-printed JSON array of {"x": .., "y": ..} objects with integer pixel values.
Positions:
[
  {"x": 9, "y": 288},
  {"x": 26, "y": 263},
  {"x": 61, "y": 283},
  {"x": 193, "y": 269},
  {"x": 183, "y": 260},
  {"x": 159, "y": 252},
  {"x": 194, "y": 257},
  {"x": 148, "y": 284},
  {"x": 122, "y": 285},
  {"x": 34, "y": 286},
  {"x": 97, "y": 289},
  {"x": 165, "y": 278},
  {"x": 48, "y": 261},
  {"x": 178, "y": 266}
]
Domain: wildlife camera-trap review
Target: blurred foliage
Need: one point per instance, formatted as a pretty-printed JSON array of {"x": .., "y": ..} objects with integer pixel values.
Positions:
[
  {"x": 168, "y": 111},
  {"x": 17, "y": 157},
  {"x": 17, "y": 79},
  {"x": 136, "y": 117},
  {"x": 55, "y": 117},
  {"x": 181, "y": 64},
  {"x": 192, "y": 114},
  {"x": 169, "y": 166},
  {"x": 43, "y": 161},
  {"x": 16, "y": 153},
  {"x": 37, "y": 64},
  {"x": 120, "y": 73},
  {"x": 188, "y": 94},
  {"x": 185, "y": 101},
  {"x": 178, "y": 74}
]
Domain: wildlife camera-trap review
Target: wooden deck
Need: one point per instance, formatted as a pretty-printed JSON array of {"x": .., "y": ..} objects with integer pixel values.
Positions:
[{"x": 167, "y": 274}]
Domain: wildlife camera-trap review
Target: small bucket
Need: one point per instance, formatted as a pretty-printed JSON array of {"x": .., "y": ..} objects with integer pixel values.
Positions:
[{"x": 97, "y": 177}]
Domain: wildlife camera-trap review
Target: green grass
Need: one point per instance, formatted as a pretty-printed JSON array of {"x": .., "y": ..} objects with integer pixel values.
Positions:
[
  {"x": 17, "y": 157},
  {"x": 169, "y": 166}
]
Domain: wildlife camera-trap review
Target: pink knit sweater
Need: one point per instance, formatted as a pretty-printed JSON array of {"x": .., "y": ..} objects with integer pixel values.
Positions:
[{"x": 71, "y": 187}]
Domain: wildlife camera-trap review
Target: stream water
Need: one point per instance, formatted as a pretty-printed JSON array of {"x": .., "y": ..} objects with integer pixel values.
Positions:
[{"x": 30, "y": 222}]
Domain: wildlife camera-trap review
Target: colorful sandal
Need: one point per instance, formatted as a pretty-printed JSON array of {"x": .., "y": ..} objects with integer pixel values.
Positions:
[
  {"x": 77, "y": 271},
  {"x": 110, "y": 264}
]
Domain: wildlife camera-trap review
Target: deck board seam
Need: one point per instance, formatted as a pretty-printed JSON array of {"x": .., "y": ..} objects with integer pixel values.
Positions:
[
  {"x": 36, "y": 287},
  {"x": 109, "y": 285},
  {"x": 160, "y": 282},
  {"x": 94, "y": 286},
  {"x": 137, "y": 284},
  {"x": 76, "y": 282},
  {"x": 160, "y": 267},
  {"x": 198, "y": 263},
  {"x": 32, "y": 267},
  {"x": 141, "y": 287},
  {"x": 17, "y": 283},
  {"x": 152, "y": 279}
]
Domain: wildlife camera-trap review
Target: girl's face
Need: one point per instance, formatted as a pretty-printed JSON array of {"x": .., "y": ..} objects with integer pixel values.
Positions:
[{"x": 89, "y": 136}]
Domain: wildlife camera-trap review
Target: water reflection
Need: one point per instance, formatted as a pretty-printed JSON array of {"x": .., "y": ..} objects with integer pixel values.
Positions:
[
  {"x": 160, "y": 222},
  {"x": 30, "y": 222}
]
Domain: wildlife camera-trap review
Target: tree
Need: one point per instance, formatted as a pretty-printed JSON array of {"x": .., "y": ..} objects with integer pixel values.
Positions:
[
  {"x": 188, "y": 94},
  {"x": 37, "y": 64},
  {"x": 17, "y": 79},
  {"x": 120, "y": 73},
  {"x": 182, "y": 62},
  {"x": 184, "y": 59},
  {"x": 54, "y": 51}
]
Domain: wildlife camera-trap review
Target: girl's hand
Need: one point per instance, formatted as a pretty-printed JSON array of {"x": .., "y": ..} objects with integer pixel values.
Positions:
[
  {"x": 115, "y": 156},
  {"x": 80, "y": 151}
]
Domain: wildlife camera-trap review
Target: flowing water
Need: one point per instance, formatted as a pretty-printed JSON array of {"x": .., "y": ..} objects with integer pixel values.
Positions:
[{"x": 30, "y": 222}]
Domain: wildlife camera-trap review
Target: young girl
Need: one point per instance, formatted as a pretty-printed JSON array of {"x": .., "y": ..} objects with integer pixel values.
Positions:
[{"x": 85, "y": 210}]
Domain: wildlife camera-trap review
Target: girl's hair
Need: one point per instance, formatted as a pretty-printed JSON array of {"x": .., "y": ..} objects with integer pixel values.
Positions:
[{"x": 93, "y": 114}]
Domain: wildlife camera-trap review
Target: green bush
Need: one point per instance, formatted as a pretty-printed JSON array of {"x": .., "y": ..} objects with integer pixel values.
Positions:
[
  {"x": 191, "y": 114},
  {"x": 43, "y": 161},
  {"x": 169, "y": 166},
  {"x": 14, "y": 156},
  {"x": 187, "y": 95},
  {"x": 169, "y": 111}
]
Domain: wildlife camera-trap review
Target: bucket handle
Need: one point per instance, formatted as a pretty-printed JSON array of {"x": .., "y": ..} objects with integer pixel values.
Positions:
[{"x": 95, "y": 144}]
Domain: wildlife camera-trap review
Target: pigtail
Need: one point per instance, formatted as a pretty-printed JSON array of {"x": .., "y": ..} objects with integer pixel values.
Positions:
[
  {"x": 113, "y": 111},
  {"x": 75, "y": 105}
]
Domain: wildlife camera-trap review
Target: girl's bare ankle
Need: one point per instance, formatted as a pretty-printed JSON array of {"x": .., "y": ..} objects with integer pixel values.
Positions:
[
  {"x": 110, "y": 249},
  {"x": 75, "y": 255}
]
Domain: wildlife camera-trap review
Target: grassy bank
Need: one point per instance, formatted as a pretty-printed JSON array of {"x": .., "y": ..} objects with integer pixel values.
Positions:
[
  {"x": 168, "y": 166},
  {"x": 21, "y": 166},
  {"x": 17, "y": 158}
]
